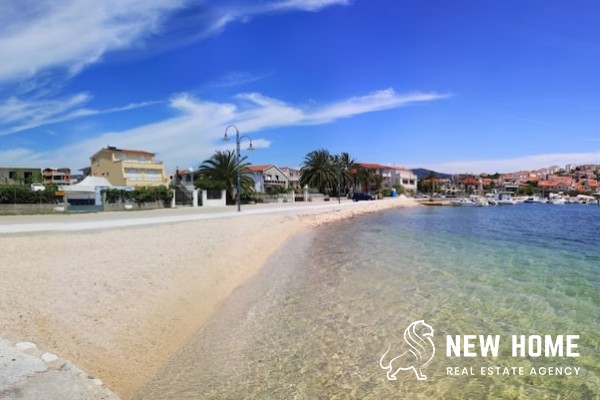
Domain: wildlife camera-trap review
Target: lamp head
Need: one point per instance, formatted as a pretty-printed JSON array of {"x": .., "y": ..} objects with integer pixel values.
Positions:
[
  {"x": 226, "y": 138},
  {"x": 250, "y": 147}
]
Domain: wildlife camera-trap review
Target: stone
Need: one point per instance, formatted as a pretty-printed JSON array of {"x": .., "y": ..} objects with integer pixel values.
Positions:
[{"x": 49, "y": 357}]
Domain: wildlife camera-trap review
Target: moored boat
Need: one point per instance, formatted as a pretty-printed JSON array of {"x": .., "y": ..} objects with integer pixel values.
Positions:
[
  {"x": 556, "y": 199},
  {"x": 463, "y": 202},
  {"x": 534, "y": 200},
  {"x": 506, "y": 199}
]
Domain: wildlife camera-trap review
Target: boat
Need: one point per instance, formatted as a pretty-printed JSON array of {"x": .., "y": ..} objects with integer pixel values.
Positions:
[
  {"x": 505, "y": 199},
  {"x": 534, "y": 200},
  {"x": 556, "y": 199},
  {"x": 463, "y": 202},
  {"x": 491, "y": 199},
  {"x": 585, "y": 199}
]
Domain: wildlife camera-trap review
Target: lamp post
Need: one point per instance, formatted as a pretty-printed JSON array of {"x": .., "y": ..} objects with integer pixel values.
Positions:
[
  {"x": 238, "y": 139},
  {"x": 339, "y": 178}
]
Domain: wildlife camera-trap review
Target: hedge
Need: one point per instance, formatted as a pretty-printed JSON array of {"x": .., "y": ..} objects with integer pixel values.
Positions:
[{"x": 15, "y": 194}]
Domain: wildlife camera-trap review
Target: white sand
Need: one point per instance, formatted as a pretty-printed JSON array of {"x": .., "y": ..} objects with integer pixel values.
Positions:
[{"x": 119, "y": 302}]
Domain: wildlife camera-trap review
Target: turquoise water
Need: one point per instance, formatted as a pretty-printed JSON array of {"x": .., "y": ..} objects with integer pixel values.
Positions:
[{"x": 331, "y": 302}]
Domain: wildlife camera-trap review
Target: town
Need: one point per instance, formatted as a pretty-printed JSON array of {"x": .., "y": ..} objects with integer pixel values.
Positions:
[{"x": 117, "y": 177}]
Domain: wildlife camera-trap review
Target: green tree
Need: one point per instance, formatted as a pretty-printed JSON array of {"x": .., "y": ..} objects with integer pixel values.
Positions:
[
  {"x": 430, "y": 183},
  {"x": 319, "y": 171},
  {"x": 221, "y": 171},
  {"x": 369, "y": 180},
  {"x": 348, "y": 168}
]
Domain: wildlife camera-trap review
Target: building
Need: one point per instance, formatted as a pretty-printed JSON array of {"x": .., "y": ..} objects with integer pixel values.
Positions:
[
  {"x": 555, "y": 186},
  {"x": 404, "y": 177},
  {"x": 268, "y": 178},
  {"x": 20, "y": 176},
  {"x": 122, "y": 167},
  {"x": 393, "y": 175},
  {"x": 57, "y": 176},
  {"x": 293, "y": 176}
]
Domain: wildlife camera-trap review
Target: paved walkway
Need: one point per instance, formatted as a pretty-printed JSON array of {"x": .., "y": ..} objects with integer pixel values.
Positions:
[{"x": 79, "y": 222}]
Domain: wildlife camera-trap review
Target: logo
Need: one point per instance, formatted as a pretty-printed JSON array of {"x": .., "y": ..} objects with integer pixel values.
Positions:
[{"x": 415, "y": 353}]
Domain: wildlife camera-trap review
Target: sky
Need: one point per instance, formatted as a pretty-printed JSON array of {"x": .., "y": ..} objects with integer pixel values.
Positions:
[{"x": 453, "y": 85}]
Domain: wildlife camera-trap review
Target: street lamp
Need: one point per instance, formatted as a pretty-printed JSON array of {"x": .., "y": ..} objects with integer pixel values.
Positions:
[
  {"x": 339, "y": 177},
  {"x": 238, "y": 139}
]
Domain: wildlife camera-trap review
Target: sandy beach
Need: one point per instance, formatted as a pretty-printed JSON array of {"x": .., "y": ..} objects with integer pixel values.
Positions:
[{"x": 118, "y": 302}]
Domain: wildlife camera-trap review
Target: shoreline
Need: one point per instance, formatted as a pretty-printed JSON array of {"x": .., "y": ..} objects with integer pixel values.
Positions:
[{"x": 119, "y": 302}]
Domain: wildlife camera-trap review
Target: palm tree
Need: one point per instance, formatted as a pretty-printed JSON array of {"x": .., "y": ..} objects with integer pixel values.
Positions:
[
  {"x": 348, "y": 167},
  {"x": 365, "y": 177},
  {"x": 318, "y": 170},
  {"x": 221, "y": 171}
]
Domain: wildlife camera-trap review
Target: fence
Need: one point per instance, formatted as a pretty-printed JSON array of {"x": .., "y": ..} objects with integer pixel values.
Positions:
[{"x": 11, "y": 209}]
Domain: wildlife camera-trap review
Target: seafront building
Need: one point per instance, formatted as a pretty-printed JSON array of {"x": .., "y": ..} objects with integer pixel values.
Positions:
[
  {"x": 268, "y": 178},
  {"x": 19, "y": 176},
  {"x": 393, "y": 175},
  {"x": 125, "y": 167},
  {"x": 293, "y": 175},
  {"x": 57, "y": 176}
]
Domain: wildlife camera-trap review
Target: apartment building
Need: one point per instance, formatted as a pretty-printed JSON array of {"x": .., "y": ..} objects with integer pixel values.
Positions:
[
  {"x": 126, "y": 167},
  {"x": 20, "y": 176},
  {"x": 56, "y": 176},
  {"x": 267, "y": 177}
]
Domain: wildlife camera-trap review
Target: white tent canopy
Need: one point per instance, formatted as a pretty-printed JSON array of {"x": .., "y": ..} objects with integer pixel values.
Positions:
[
  {"x": 88, "y": 189},
  {"x": 88, "y": 185}
]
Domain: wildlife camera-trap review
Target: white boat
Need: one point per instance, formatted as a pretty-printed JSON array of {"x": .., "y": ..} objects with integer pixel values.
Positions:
[
  {"x": 556, "y": 199},
  {"x": 463, "y": 202},
  {"x": 481, "y": 201},
  {"x": 506, "y": 199},
  {"x": 491, "y": 199},
  {"x": 584, "y": 199},
  {"x": 534, "y": 200}
]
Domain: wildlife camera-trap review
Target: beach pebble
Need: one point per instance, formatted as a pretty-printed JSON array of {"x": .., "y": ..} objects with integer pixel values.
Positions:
[
  {"x": 97, "y": 381},
  {"x": 49, "y": 357},
  {"x": 26, "y": 346}
]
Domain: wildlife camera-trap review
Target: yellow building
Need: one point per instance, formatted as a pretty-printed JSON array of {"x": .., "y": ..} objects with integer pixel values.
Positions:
[{"x": 128, "y": 167}]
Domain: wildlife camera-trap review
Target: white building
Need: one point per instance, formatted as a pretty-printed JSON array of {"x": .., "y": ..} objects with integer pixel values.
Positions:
[{"x": 267, "y": 177}]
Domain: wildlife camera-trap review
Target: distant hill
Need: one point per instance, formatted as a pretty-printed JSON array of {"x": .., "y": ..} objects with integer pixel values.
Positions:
[{"x": 423, "y": 173}]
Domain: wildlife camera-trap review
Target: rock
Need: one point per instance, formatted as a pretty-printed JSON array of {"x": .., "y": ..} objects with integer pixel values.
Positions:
[
  {"x": 26, "y": 346},
  {"x": 28, "y": 373},
  {"x": 49, "y": 357}
]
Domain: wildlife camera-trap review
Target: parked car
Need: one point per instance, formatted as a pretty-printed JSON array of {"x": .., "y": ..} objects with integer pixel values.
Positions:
[
  {"x": 362, "y": 196},
  {"x": 38, "y": 187}
]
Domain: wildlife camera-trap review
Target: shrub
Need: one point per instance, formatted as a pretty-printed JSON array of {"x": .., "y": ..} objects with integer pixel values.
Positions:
[{"x": 14, "y": 194}]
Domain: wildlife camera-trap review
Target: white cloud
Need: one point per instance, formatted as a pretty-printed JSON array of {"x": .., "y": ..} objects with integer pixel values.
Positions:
[
  {"x": 238, "y": 78},
  {"x": 70, "y": 34},
  {"x": 529, "y": 162},
  {"x": 307, "y": 5},
  {"x": 18, "y": 115},
  {"x": 58, "y": 37},
  {"x": 196, "y": 132},
  {"x": 380, "y": 100}
]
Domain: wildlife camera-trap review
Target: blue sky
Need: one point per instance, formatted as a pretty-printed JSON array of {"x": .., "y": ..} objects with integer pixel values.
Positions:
[{"x": 455, "y": 85}]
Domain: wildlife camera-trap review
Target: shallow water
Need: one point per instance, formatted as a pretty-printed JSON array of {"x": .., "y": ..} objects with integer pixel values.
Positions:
[{"x": 329, "y": 304}]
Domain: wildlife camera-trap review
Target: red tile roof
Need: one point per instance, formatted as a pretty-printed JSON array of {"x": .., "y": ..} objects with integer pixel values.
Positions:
[
  {"x": 380, "y": 166},
  {"x": 259, "y": 168}
]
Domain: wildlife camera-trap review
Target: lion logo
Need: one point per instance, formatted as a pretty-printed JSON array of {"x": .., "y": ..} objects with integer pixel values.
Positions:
[{"x": 421, "y": 350}]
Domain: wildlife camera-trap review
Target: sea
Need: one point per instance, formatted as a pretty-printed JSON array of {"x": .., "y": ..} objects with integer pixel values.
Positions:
[{"x": 317, "y": 320}]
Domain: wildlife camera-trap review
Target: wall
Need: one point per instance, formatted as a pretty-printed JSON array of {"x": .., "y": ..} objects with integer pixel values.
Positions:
[
  {"x": 27, "y": 208},
  {"x": 213, "y": 202}
]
